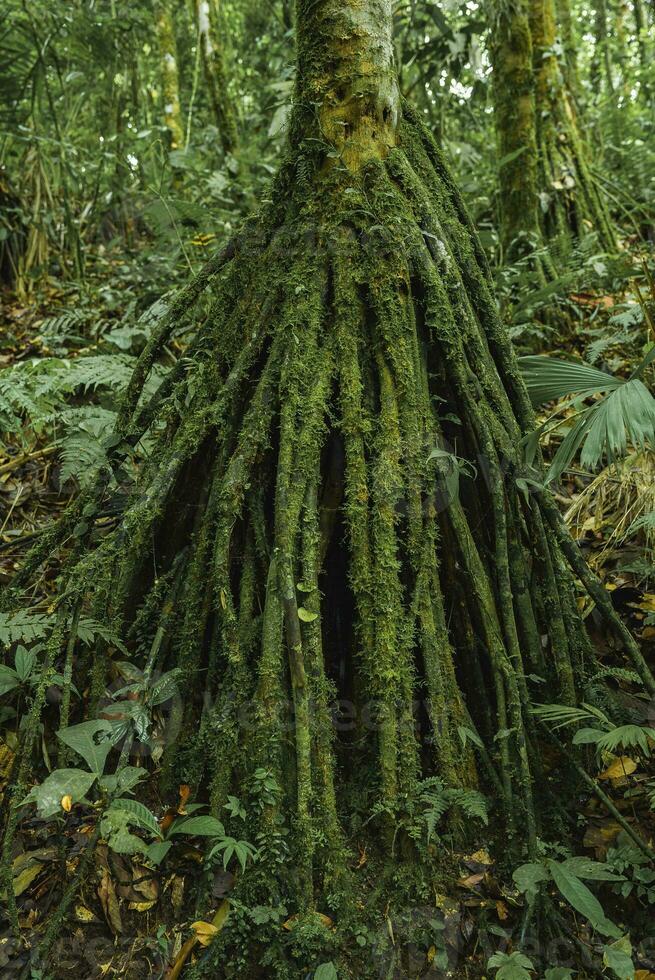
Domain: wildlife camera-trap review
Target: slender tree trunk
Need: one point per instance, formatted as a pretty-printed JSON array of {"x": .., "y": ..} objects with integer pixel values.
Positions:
[
  {"x": 602, "y": 53},
  {"x": 516, "y": 134},
  {"x": 215, "y": 76},
  {"x": 569, "y": 44},
  {"x": 169, "y": 74},
  {"x": 576, "y": 205}
]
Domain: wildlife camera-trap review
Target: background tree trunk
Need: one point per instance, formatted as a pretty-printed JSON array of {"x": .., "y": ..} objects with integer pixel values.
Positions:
[
  {"x": 514, "y": 115},
  {"x": 169, "y": 74},
  {"x": 575, "y": 203},
  {"x": 214, "y": 67}
]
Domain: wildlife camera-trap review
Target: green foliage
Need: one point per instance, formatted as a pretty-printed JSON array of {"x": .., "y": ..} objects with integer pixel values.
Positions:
[
  {"x": 510, "y": 966},
  {"x": 92, "y": 740},
  {"x": 609, "y": 737},
  {"x": 75, "y": 783},
  {"x": 624, "y": 416},
  {"x": 326, "y": 971},
  {"x": 568, "y": 877}
]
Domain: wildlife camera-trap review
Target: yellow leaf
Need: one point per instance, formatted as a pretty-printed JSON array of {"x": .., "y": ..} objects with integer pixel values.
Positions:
[
  {"x": 501, "y": 910},
  {"x": 141, "y": 906},
  {"x": 67, "y": 803},
  {"x": 620, "y": 767},
  {"x": 432, "y": 952},
  {"x": 83, "y": 914},
  {"x": 204, "y": 931}
]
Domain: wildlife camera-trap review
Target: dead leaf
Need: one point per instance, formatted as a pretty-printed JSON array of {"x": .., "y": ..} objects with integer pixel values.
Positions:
[
  {"x": 216, "y": 924},
  {"x": 185, "y": 793},
  {"x": 601, "y": 837},
  {"x": 325, "y": 920},
  {"x": 109, "y": 902},
  {"x": 177, "y": 893},
  {"x": 27, "y": 867},
  {"x": 471, "y": 881},
  {"x": 622, "y": 766},
  {"x": 204, "y": 931},
  {"x": 23, "y": 881},
  {"x": 502, "y": 911}
]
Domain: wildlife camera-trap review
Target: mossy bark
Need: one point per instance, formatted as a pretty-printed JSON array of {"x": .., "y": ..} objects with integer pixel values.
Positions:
[
  {"x": 602, "y": 53},
  {"x": 311, "y": 549},
  {"x": 213, "y": 60},
  {"x": 576, "y": 205},
  {"x": 516, "y": 129},
  {"x": 170, "y": 83},
  {"x": 570, "y": 48}
]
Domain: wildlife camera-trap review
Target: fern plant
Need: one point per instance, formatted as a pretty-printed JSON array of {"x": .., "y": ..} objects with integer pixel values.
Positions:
[
  {"x": 421, "y": 813},
  {"x": 35, "y": 399}
]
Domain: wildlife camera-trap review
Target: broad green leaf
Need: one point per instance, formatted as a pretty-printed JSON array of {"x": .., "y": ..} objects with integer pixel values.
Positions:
[
  {"x": 584, "y": 867},
  {"x": 157, "y": 852},
  {"x": 75, "y": 783},
  {"x": 467, "y": 734},
  {"x": 165, "y": 687},
  {"x": 512, "y": 966},
  {"x": 582, "y": 899},
  {"x": 626, "y": 415},
  {"x": 114, "y": 827},
  {"x": 326, "y": 971},
  {"x": 241, "y": 849},
  {"x": 618, "y": 957},
  {"x": 558, "y": 973},
  {"x": 548, "y": 378},
  {"x": 24, "y": 662},
  {"x": 9, "y": 679},
  {"x": 587, "y": 736},
  {"x": 627, "y": 737},
  {"x": 201, "y": 826},
  {"x": 123, "y": 781},
  {"x": 138, "y": 814},
  {"x": 528, "y": 878},
  {"x": 91, "y": 740}
]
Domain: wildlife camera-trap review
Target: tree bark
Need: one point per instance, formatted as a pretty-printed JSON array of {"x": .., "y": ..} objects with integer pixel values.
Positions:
[
  {"x": 169, "y": 74},
  {"x": 346, "y": 69},
  {"x": 516, "y": 135},
  {"x": 215, "y": 76},
  {"x": 576, "y": 205}
]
